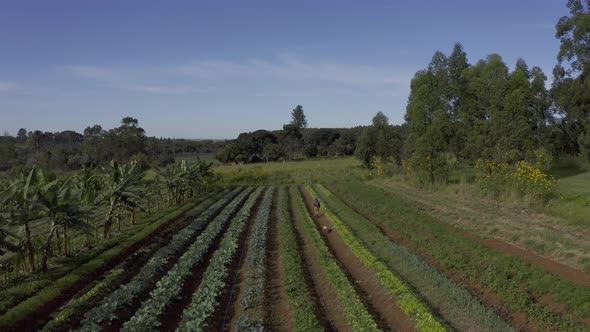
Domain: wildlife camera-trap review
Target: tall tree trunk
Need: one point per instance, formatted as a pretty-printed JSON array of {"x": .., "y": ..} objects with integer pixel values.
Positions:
[
  {"x": 58, "y": 238},
  {"x": 107, "y": 228},
  {"x": 66, "y": 248},
  {"x": 47, "y": 248},
  {"x": 109, "y": 221},
  {"x": 118, "y": 221},
  {"x": 29, "y": 247},
  {"x": 133, "y": 221}
]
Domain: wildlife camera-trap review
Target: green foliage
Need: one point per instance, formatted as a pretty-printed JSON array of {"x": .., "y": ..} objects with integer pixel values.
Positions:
[
  {"x": 380, "y": 140},
  {"x": 298, "y": 117},
  {"x": 124, "y": 295},
  {"x": 355, "y": 312},
  {"x": 510, "y": 278},
  {"x": 204, "y": 299},
  {"x": 56, "y": 287},
  {"x": 253, "y": 297},
  {"x": 523, "y": 178},
  {"x": 425, "y": 321},
  {"x": 66, "y": 313},
  {"x": 296, "y": 289}
]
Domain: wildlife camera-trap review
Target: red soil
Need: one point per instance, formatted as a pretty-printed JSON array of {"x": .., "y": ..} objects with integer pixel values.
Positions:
[
  {"x": 279, "y": 314},
  {"x": 382, "y": 304}
]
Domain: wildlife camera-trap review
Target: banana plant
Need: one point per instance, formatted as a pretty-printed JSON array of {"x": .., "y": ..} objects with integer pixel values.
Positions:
[
  {"x": 58, "y": 200},
  {"x": 122, "y": 185},
  {"x": 89, "y": 184},
  {"x": 20, "y": 207}
]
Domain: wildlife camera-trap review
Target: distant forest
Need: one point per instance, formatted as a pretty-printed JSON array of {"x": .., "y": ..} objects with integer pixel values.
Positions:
[{"x": 69, "y": 150}]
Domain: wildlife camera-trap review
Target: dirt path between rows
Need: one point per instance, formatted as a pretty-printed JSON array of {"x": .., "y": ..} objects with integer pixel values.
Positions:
[
  {"x": 518, "y": 319},
  {"x": 132, "y": 265},
  {"x": 326, "y": 293},
  {"x": 229, "y": 305},
  {"x": 279, "y": 313},
  {"x": 379, "y": 299},
  {"x": 551, "y": 266},
  {"x": 561, "y": 270}
]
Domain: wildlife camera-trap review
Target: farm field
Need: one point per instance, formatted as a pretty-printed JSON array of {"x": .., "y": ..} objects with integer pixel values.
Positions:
[{"x": 256, "y": 257}]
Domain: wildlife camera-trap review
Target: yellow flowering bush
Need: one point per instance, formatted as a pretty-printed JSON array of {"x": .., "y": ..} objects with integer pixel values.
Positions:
[
  {"x": 524, "y": 178},
  {"x": 375, "y": 169},
  {"x": 407, "y": 166},
  {"x": 531, "y": 180}
]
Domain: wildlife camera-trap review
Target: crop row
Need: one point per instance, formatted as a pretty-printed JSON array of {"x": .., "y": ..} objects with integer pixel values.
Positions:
[
  {"x": 408, "y": 302},
  {"x": 517, "y": 283},
  {"x": 300, "y": 298},
  {"x": 455, "y": 301},
  {"x": 355, "y": 312},
  {"x": 253, "y": 298},
  {"x": 106, "y": 310},
  {"x": 169, "y": 287},
  {"x": 205, "y": 298},
  {"x": 63, "y": 316},
  {"x": 89, "y": 264}
]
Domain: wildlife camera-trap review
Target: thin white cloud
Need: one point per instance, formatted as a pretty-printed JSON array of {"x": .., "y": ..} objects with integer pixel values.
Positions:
[
  {"x": 287, "y": 74},
  {"x": 8, "y": 87},
  {"x": 127, "y": 79},
  {"x": 291, "y": 68}
]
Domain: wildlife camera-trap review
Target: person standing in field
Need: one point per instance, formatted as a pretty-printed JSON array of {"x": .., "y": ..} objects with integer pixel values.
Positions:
[{"x": 316, "y": 206}]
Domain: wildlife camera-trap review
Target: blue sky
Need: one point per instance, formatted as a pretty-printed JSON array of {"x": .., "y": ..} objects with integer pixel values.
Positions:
[{"x": 213, "y": 69}]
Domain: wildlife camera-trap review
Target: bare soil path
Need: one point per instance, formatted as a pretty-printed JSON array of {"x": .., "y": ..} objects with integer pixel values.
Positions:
[
  {"x": 378, "y": 299},
  {"x": 280, "y": 314}
]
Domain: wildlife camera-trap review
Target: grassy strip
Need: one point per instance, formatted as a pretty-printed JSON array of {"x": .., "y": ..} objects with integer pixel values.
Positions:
[
  {"x": 253, "y": 301},
  {"x": 66, "y": 313},
  {"x": 56, "y": 288},
  {"x": 296, "y": 290},
  {"x": 204, "y": 301},
  {"x": 206, "y": 208},
  {"x": 434, "y": 286},
  {"x": 518, "y": 284},
  {"x": 355, "y": 312},
  {"x": 408, "y": 302}
]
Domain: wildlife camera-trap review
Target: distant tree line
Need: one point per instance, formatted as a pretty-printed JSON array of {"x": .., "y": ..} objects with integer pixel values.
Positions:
[
  {"x": 294, "y": 141},
  {"x": 69, "y": 150},
  {"x": 459, "y": 112}
]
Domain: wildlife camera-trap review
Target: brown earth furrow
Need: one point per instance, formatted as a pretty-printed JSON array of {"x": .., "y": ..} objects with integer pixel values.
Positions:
[
  {"x": 131, "y": 266},
  {"x": 229, "y": 304},
  {"x": 279, "y": 315},
  {"x": 518, "y": 319},
  {"x": 326, "y": 293},
  {"x": 131, "y": 260},
  {"x": 378, "y": 299},
  {"x": 487, "y": 296}
]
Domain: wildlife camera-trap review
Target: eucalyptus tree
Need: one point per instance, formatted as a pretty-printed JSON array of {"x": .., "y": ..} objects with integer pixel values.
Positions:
[{"x": 571, "y": 79}]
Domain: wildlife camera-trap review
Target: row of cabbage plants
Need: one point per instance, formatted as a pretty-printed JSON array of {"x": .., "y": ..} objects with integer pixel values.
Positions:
[
  {"x": 355, "y": 313},
  {"x": 147, "y": 318},
  {"x": 300, "y": 298},
  {"x": 408, "y": 302},
  {"x": 107, "y": 308},
  {"x": 252, "y": 317},
  {"x": 205, "y": 298}
]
